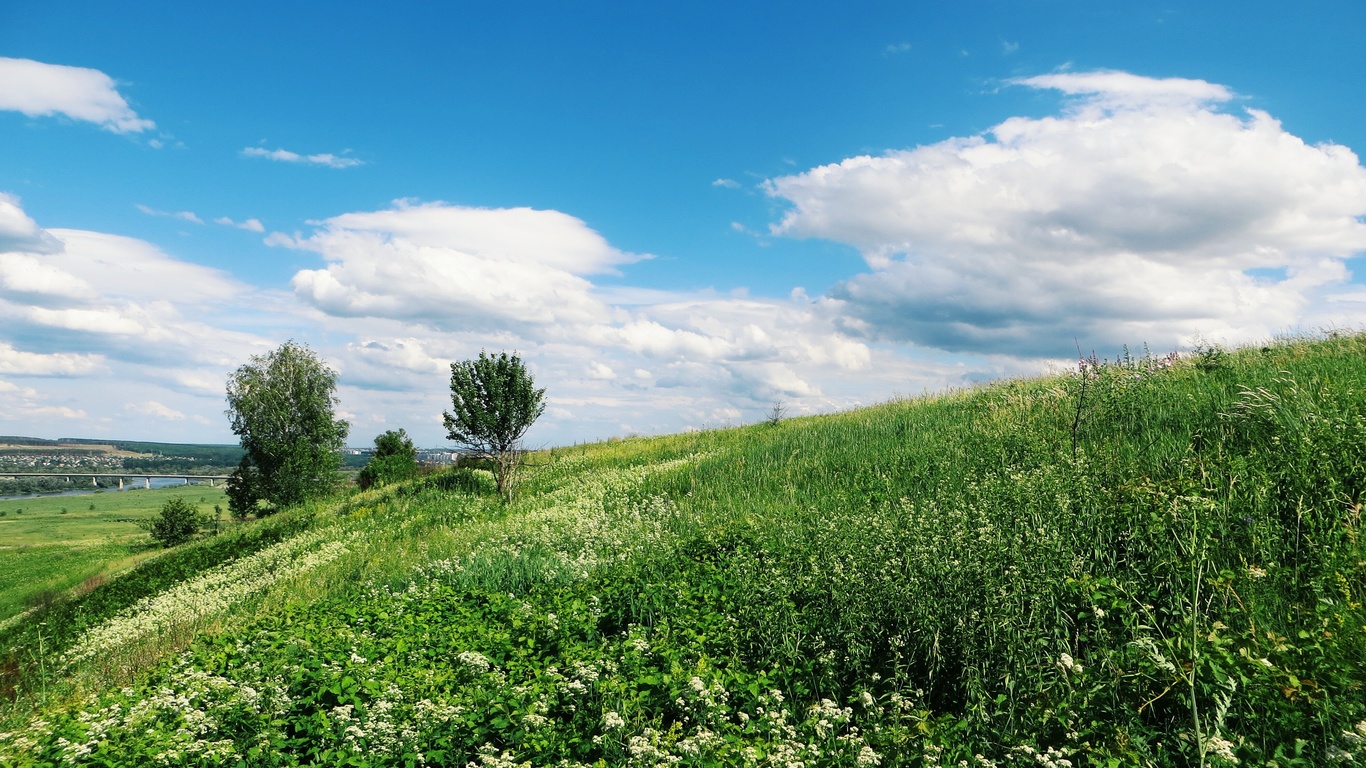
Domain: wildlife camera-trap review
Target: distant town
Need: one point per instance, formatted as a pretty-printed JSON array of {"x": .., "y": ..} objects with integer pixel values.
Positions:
[{"x": 111, "y": 457}]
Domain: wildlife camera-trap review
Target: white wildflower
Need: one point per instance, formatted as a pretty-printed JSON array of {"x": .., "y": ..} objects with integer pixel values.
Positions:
[
  {"x": 474, "y": 661},
  {"x": 867, "y": 756},
  {"x": 1221, "y": 749},
  {"x": 1069, "y": 665}
]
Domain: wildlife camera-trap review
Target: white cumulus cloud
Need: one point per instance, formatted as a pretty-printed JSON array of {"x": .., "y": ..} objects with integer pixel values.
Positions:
[
  {"x": 1140, "y": 213},
  {"x": 38, "y": 89},
  {"x": 452, "y": 266},
  {"x": 21, "y": 363}
]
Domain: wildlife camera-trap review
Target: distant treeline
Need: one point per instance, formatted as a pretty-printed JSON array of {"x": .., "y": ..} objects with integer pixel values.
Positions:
[
  {"x": 24, "y": 485},
  {"x": 175, "y": 465},
  {"x": 222, "y": 455},
  {"x": 199, "y": 453},
  {"x": 68, "y": 451},
  {"x": 13, "y": 440}
]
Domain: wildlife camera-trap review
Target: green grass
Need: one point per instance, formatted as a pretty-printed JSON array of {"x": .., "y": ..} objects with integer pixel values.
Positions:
[
  {"x": 52, "y": 544},
  {"x": 1147, "y": 565}
]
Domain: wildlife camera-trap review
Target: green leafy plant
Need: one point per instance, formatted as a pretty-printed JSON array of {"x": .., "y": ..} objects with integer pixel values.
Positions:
[
  {"x": 178, "y": 523},
  {"x": 494, "y": 402},
  {"x": 395, "y": 459},
  {"x": 281, "y": 406}
]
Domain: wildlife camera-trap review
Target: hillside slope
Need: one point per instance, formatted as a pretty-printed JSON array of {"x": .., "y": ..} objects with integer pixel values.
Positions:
[{"x": 1150, "y": 562}]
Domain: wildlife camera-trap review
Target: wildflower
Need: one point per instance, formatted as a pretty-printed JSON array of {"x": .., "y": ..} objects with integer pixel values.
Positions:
[
  {"x": 1069, "y": 665},
  {"x": 867, "y": 756},
  {"x": 613, "y": 721},
  {"x": 1220, "y": 749},
  {"x": 476, "y": 662}
]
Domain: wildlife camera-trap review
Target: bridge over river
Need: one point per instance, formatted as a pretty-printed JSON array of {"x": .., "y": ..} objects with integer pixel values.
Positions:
[{"x": 95, "y": 477}]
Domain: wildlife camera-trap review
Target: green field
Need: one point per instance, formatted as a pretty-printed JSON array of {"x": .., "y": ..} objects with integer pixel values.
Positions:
[
  {"x": 1150, "y": 562},
  {"x": 55, "y": 543}
]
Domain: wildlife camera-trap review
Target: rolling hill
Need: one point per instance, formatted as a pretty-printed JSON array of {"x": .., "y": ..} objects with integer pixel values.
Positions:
[{"x": 1149, "y": 561}]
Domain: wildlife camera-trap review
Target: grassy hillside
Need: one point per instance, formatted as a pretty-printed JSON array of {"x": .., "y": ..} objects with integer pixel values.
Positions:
[
  {"x": 1150, "y": 562},
  {"x": 52, "y": 544}
]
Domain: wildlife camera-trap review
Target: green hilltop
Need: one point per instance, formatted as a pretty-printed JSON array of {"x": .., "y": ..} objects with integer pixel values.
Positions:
[{"x": 1149, "y": 562}]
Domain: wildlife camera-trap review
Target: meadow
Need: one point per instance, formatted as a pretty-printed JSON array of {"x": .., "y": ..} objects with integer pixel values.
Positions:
[
  {"x": 52, "y": 544},
  {"x": 1146, "y": 561}
]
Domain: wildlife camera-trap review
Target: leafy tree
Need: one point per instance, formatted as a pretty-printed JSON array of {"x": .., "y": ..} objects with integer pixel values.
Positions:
[
  {"x": 281, "y": 406},
  {"x": 395, "y": 459},
  {"x": 495, "y": 401},
  {"x": 177, "y": 523},
  {"x": 244, "y": 489}
]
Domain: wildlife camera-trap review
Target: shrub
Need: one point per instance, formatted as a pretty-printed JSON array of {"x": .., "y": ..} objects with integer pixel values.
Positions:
[
  {"x": 177, "y": 524},
  {"x": 395, "y": 459}
]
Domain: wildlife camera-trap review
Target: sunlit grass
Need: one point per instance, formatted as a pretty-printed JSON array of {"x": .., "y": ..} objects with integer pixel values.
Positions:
[
  {"x": 1145, "y": 563},
  {"x": 52, "y": 544}
]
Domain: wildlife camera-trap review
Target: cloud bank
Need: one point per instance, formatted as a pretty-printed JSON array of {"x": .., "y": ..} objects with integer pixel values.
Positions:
[
  {"x": 39, "y": 90},
  {"x": 1140, "y": 213},
  {"x": 1144, "y": 210}
]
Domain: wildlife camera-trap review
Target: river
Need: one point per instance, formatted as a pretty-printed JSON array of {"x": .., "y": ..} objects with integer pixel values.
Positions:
[{"x": 130, "y": 485}]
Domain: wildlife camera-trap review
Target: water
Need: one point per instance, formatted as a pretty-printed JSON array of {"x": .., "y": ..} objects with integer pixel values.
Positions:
[{"x": 128, "y": 485}]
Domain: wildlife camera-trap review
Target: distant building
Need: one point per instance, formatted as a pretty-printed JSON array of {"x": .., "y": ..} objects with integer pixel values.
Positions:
[{"x": 437, "y": 457}]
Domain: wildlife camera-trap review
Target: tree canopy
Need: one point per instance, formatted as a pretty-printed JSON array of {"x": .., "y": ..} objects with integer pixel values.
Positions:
[
  {"x": 177, "y": 523},
  {"x": 494, "y": 402},
  {"x": 394, "y": 459},
  {"x": 281, "y": 406}
]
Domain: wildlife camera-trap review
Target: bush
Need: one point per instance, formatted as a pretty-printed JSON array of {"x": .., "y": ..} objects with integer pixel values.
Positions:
[
  {"x": 395, "y": 459},
  {"x": 177, "y": 524}
]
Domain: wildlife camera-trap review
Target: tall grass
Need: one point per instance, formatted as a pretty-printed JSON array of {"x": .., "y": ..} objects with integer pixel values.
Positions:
[{"x": 1146, "y": 561}]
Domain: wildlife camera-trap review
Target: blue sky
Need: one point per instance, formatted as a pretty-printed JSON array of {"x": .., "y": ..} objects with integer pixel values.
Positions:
[{"x": 678, "y": 213}]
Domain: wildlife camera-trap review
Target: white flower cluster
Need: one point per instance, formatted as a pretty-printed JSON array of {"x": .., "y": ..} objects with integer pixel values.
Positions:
[
  {"x": 207, "y": 595},
  {"x": 185, "y": 717},
  {"x": 1220, "y": 750},
  {"x": 1049, "y": 758},
  {"x": 385, "y": 729},
  {"x": 490, "y": 757},
  {"x": 1069, "y": 665},
  {"x": 567, "y": 532},
  {"x": 476, "y": 662}
]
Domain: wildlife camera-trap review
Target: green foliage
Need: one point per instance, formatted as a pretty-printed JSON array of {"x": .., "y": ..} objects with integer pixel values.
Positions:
[
  {"x": 394, "y": 459},
  {"x": 1136, "y": 564},
  {"x": 47, "y": 552},
  {"x": 244, "y": 490},
  {"x": 58, "y": 624},
  {"x": 395, "y": 443},
  {"x": 177, "y": 523},
  {"x": 494, "y": 402},
  {"x": 281, "y": 405}
]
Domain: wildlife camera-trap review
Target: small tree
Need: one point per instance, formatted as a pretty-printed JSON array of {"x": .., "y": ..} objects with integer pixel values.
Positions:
[
  {"x": 244, "y": 489},
  {"x": 395, "y": 459},
  {"x": 494, "y": 401},
  {"x": 281, "y": 406},
  {"x": 177, "y": 523}
]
